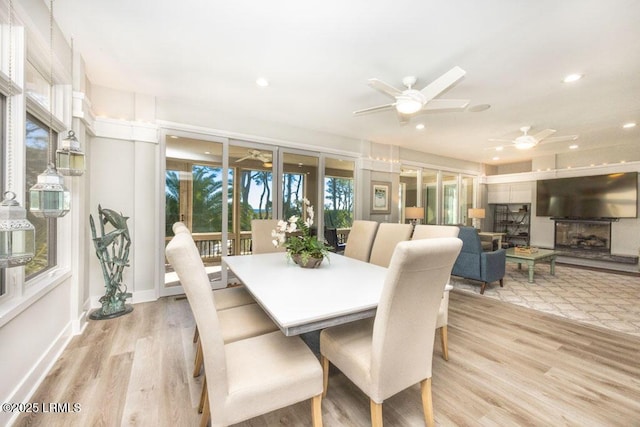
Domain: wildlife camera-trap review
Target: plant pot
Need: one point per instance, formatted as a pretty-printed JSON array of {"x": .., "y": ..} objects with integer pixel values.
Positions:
[{"x": 311, "y": 262}]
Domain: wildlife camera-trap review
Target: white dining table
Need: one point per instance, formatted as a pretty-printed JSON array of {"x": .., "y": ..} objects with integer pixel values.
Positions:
[{"x": 302, "y": 300}]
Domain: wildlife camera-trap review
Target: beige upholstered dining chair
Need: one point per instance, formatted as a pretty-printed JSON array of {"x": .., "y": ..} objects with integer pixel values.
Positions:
[
  {"x": 249, "y": 377},
  {"x": 240, "y": 317},
  {"x": 394, "y": 350},
  {"x": 426, "y": 231},
  {"x": 387, "y": 237},
  {"x": 360, "y": 240},
  {"x": 261, "y": 239},
  {"x": 226, "y": 297}
]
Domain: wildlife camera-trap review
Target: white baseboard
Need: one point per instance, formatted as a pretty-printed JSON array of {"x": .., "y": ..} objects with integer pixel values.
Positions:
[
  {"x": 31, "y": 381},
  {"x": 78, "y": 325},
  {"x": 144, "y": 296}
]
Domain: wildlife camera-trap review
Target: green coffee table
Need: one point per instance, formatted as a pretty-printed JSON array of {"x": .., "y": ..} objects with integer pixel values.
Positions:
[{"x": 532, "y": 259}]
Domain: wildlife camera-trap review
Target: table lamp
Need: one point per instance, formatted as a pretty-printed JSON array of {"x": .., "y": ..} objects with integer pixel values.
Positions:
[
  {"x": 414, "y": 214},
  {"x": 476, "y": 214}
]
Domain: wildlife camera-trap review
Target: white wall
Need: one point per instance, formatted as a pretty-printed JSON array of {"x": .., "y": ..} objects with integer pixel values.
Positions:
[
  {"x": 124, "y": 176},
  {"x": 31, "y": 342}
]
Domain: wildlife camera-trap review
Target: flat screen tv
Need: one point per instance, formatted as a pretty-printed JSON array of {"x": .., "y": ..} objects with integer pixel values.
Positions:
[{"x": 588, "y": 197}]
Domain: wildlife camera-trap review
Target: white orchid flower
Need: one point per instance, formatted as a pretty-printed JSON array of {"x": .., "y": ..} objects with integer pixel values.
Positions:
[
  {"x": 276, "y": 242},
  {"x": 293, "y": 219},
  {"x": 293, "y": 227},
  {"x": 306, "y": 201},
  {"x": 308, "y": 222}
]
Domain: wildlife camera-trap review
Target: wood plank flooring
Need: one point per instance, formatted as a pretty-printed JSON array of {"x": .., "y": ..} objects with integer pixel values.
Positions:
[{"x": 508, "y": 366}]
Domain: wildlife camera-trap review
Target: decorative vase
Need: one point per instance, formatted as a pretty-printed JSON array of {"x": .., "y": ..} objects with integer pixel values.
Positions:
[{"x": 311, "y": 262}]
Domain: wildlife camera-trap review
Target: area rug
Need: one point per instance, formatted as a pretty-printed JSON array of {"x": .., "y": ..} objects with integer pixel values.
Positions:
[{"x": 599, "y": 298}]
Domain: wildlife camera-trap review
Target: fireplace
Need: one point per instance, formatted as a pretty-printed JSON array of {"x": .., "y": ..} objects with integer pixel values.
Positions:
[{"x": 583, "y": 236}]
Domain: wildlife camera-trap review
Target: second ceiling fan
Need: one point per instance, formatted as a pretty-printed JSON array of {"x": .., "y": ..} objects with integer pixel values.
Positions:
[
  {"x": 410, "y": 101},
  {"x": 526, "y": 141}
]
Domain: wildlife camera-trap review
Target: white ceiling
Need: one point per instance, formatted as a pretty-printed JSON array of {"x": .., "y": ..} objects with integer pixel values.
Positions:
[{"x": 318, "y": 56}]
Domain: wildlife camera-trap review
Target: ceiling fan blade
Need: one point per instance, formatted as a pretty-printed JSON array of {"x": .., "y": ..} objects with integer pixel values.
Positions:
[
  {"x": 375, "y": 109},
  {"x": 543, "y": 134},
  {"x": 507, "y": 141},
  {"x": 559, "y": 139},
  {"x": 385, "y": 88},
  {"x": 440, "y": 84},
  {"x": 446, "y": 104},
  {"x": 244, "y": 158}
]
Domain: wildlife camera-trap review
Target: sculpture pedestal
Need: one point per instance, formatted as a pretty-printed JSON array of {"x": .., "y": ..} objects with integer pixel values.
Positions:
[{"x": 98, "y": 315}]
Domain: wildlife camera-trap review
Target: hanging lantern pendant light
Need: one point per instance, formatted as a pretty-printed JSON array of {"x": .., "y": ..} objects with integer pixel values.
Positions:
[
  {"x": 17, "y": 234},
  {"x": 69, "y": 158},
  {"x": 49, "y": 198}
]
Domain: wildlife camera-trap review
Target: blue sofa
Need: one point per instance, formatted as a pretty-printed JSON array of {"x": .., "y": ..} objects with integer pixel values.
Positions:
[{"x": 473, "y": 263}]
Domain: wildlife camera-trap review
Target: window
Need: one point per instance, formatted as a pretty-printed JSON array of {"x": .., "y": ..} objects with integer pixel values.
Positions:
[
  {"x": 37, "y": 158},
  {"x": 338, "y": 193},
  {"x": 3, "y": 104}
]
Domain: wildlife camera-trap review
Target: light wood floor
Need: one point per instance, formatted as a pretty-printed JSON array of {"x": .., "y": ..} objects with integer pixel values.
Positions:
[{"x": 508, "y": 366}]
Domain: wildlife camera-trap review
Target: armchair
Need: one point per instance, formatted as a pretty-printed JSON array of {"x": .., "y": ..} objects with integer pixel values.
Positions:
[{"x": 473, "y": 263}]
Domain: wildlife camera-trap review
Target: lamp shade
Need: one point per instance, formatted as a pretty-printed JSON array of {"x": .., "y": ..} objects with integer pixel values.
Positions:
[
  {"x": 49, "y": 198},
  {"x": 414, "y": 213},
  {"x": 17, "y": 234},
  {"x": 476, "y": 213}
]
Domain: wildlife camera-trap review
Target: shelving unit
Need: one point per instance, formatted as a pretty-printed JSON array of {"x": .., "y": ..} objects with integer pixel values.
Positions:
[{"x": 514, "y": 221}]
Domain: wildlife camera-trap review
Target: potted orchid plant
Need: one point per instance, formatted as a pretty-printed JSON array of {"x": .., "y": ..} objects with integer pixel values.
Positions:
[{"x": 295, "y": 235}]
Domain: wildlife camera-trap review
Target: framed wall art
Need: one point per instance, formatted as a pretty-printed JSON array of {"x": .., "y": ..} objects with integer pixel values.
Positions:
[{"x": 380, "y": 197}]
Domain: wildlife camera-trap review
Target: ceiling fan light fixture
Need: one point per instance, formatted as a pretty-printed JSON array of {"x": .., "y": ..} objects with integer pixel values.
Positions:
[
  {"x": 629, "y": 125},
  {"x": 408, "y": 105},
  {"x": 572, "y": 78},
  {"x": 525, "y": 142}
]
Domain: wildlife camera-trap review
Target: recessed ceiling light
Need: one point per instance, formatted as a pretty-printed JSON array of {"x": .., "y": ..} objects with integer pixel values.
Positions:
[
  {"x": 499, "y": 148},
  {"x": 629, "y": 125},
  {"x": 496, "y": 158},
  {"x": 480, "y": 107},
  {"x": 207, "y": 152},
  {"x": 573, "y": 146},
  {"x": 419, "y": 126},
  {"x": 262, "y": 82},
  {"x": 173, "y": 137},
  {"x": 572, "y": 78}
]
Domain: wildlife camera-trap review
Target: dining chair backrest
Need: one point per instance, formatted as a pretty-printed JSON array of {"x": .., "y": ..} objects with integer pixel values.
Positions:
[
  {"x": 387, "y": 237},
  {"x": 261, "y": 238},
  {"x": 184, "y": 257},
  {"x": 180, "y": 227},
  {"x": 360, "y": 240},
  {"x": 428, "y": 231},
  {"x": 404, "y": 325}
]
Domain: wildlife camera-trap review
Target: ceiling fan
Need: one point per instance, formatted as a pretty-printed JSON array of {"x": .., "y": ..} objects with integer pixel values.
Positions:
[
  {"x": 526, "y": 141},
  {"x": 410, "y": 101},
  {"x": 256, "y": 155}
]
